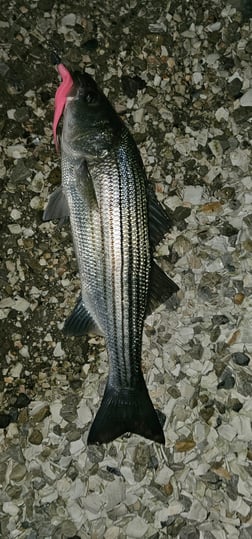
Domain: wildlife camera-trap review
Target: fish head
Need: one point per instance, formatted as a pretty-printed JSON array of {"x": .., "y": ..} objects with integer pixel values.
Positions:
[{"x": 90, "y": 125}]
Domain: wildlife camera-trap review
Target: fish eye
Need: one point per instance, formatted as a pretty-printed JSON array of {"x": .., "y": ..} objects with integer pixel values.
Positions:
[{"x": 91, "y": 98}]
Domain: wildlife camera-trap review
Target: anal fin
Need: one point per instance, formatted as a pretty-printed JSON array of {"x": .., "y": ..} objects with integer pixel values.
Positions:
[
  {"x": 161, "y": 288},
  {"x": 80, "y": 322}
]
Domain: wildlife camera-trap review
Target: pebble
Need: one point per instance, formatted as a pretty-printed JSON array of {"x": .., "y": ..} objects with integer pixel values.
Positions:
[
  {"x": 227, "y": 381},
  {"x": 10, "y": 508},
  {"x": 197, "y": 511},
  {"x": 246, "y": 99},
  {"x": 164, "y": 475},
  {"x": 35, "y": 437},
  {"x": 84, "y": 413},
  {"x": 114, "y": 493},
  {"x": 234, "y": 86},
  {"x": 16, "y": 370},
  {"x": 227, "y": 432},
  {"x": 22, "y": 401},
  {"x": 190, "y": 532},
  {"x": 15, "y": 214},
  {"x": 222, "y": 114},
  {"x": 136, "y": 528},
  {"x": 16, "y": 151},
  {"x": 113, "y": 533},
  {"x": 20, "y": 305},
  {"x": 58, "y": 351},
  {"x": 39, "y": 411},
  {"x": 76, "y": 447},
  {"x": 193, "y": 194},
  {"x": 15, "y": 229},
  {"x": 5, "y": 420},
  {"x": 131, "y": 85},
  {"x": 69, "y": 19},
  {"x": 184, "y": 445},
  {"x": 18, "y": 472},
  {"x": 216, "y": 148},
  {"x": 240, "y": 359}
]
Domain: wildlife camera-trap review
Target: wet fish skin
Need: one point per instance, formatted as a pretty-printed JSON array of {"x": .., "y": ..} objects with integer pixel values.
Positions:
[{"x": 105, "y": 193}]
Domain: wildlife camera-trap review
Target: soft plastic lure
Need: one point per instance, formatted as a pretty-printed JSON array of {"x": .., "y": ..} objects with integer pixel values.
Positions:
[{"x": 60, "y": 99}]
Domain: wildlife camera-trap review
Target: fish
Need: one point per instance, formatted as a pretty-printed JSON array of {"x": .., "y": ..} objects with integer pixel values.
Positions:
[{"x": 116, "y": 223}]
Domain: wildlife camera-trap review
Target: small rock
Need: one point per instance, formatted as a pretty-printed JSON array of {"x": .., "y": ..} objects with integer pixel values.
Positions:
[
  {"x": 136, "y": 528},
  {"x": 238, "y": 298},
  {"x": 69, "y": 19},
  {"x": 58, "y": 351},
  {"x": 164, "y": 475},
  {"x": 184, "y": 445},
  {"x": 39, "y": 411},
  {"x": 227, "y": 432},
  {"x": 141, "y": 460},
  {"x": 95, "y": 453},
  {"x": 235, "y": 405},
  {"x": 232, "y": 490},
  {"x": 15, "y": 214},
  {"x": 112, "y": 533},
  {"x": 17, "y": 151},
  {"x": 68, "y": 529},
  {"x": 246, "y": 533},
  {"x": 68, "y": 410},
  {"x": 189, "y": 532},
  {"x": 242, "y": 114},
  {"x": 90, "y": 44},
  {"x": 35, "y": 437},
  {"x": 197, "y": 512},
  {"x": 5, "y": 420},
  {"x": 222, "y": 114},
  {"x": 240, "y": 359},
  {"x": 22, "y": 401},
  {"x": 246, "y": 99},
  {"x": 227, "y": 381},
  {"x": 15, "y": 229},
  {"x": 234, "y": 87},
  {"x": 193, "y": 194},
  {"x": 16, "y": 370},
  {"x": 18, "y": 472},
  {"x": 84, "y": 413},
  {"x": 10, "y": 508},
  {"x": 248, "y": 47},
  {"x": 21, "y": 305},
  {"x": 76, "y": 446},
  {"x": 131, "y": 85},
  {"x": 216, "y": 148}
]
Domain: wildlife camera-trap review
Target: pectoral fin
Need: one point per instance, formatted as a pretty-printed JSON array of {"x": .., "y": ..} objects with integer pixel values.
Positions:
[
  {"x": 85, "y": 184},
  {"x": 57, "y": 207},
  {"x": 80, "y": 322},
  {"x": 161, "y": 288}
]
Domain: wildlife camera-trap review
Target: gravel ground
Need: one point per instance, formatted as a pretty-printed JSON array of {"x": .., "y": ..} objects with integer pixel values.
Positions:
[{"x": 181, "y": 75}]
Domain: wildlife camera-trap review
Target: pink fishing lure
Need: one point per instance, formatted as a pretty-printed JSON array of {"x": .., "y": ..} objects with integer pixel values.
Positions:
[{"x": 60, "y": 99}]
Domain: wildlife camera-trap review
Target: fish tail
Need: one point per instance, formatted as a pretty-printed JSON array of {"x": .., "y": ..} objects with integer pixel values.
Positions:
[{"x": 125, "y": 410}]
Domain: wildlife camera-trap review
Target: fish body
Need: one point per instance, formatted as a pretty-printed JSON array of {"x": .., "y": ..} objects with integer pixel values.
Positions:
[{"x": 105, "y": 193}]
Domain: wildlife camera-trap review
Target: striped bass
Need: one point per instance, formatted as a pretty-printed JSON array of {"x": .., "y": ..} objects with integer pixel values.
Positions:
[{"x": 116, "y": 222}]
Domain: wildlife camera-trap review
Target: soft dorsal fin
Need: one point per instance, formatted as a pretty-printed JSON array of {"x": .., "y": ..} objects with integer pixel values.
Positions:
[{"x": 159, "y": 220}]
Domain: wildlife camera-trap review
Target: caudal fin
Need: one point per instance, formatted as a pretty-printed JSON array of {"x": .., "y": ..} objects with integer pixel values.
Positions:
[{"x": 125, "y": 410}]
